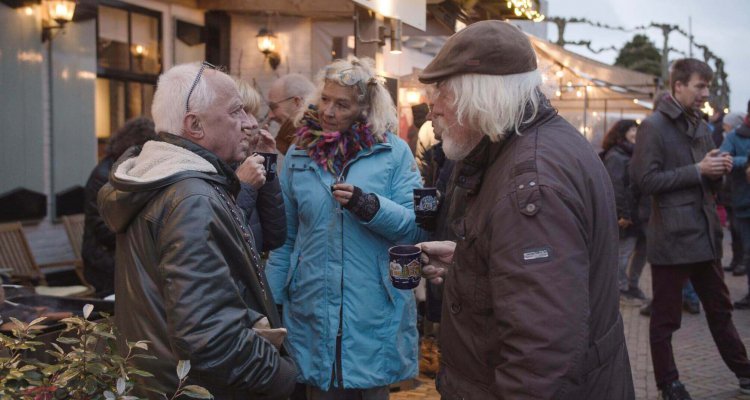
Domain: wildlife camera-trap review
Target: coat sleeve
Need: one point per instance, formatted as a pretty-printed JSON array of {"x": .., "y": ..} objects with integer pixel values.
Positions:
[
  {"x": 618, "y": 172},
  {"x": 208, "y": 323},
  {"x": 739, "y": 159},
  {"x": 540, "y": 305},
  {"x": 395, "y": 220},
  {"x": 270, "y": 207},
  {"x": 280, "y": 259},
  {"x": 647, "y": 165},
  {"x": 99, "y": 176}
]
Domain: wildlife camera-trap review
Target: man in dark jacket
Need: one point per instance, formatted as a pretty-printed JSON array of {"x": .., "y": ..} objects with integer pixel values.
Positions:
[
  {"x": 188, "y": 277},
  {"x": 98, "y": 248},
  {"x": 676, "y": 163},
  {"x": 530, "y": 306}
]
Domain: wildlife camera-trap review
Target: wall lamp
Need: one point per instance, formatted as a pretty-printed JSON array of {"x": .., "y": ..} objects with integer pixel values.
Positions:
[
  {"x": 59, "y": 11},
  {"x": 393, "y": 31},
  {"x": 267, "y": 45}
]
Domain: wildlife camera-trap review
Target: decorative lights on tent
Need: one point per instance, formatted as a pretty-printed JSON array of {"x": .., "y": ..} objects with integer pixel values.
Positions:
[{"x": 525, "y": 8}]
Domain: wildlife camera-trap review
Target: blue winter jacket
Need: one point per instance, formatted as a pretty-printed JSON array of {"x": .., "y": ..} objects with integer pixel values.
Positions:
[
  {"x": 333, "y": 269},
  {"x": 737, "y": 143}
]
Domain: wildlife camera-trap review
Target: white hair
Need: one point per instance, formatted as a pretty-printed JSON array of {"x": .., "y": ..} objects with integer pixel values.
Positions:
[
  {"x": 168, "y": 107},
  {"x": 379, "y": 110},
  {"x": 295, "y": 85},
  {"x": 496, "y": 104}
]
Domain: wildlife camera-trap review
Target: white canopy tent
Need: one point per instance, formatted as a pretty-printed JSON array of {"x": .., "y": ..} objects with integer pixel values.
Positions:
[{"x": 590, "y": 94}]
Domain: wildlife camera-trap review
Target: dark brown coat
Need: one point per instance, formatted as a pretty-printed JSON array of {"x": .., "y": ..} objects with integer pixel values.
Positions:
[
  {"x": 530, "y": 309},
  {"x": 684, "y": 226}
]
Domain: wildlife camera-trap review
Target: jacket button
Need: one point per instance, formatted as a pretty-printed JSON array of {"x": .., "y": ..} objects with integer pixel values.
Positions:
[
  {"x": 462, "y": 179},
  {"x": 455, "y": 308},
  {"x": 530, "y": 207}
]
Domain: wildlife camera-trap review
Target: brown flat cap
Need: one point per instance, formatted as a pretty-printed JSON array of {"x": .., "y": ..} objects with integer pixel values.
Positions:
[{"x": 488, "y": 47}]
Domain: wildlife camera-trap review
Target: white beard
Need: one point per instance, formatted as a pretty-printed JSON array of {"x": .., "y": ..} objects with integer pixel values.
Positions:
[{"x": 457, "y": 151}]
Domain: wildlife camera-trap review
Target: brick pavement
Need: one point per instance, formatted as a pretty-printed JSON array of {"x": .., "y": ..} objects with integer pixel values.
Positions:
[{"x": 701, "y": 368}]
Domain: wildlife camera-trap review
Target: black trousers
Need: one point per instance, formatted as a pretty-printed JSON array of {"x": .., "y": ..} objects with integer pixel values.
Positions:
[{"x": 666, "y": 316}]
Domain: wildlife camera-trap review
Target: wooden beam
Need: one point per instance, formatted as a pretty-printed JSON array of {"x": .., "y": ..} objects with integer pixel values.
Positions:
[{"x": 307, "y": 8}]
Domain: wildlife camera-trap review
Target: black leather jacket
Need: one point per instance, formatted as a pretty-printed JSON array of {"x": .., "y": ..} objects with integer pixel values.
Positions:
[{"x": 188, "y": 281}]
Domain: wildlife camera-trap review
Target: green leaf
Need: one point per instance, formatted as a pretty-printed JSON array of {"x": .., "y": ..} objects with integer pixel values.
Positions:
[
  {"x": 183, "y": 367},
  {"x": 141, "y": 373},
  {"x": 87, "y": 309},
  {"x": 104, "y": 334},
  {"x": 196, "y": 392},
  {"x": 145, "y": 356},
  {"x": 68, "y": 340},
  {"x": 36, "y": 321},
  {"x": 120, "y": 386}
]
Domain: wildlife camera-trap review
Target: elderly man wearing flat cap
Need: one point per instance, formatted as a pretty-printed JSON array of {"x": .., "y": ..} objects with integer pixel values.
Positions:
[{"x": 530, "y": 306}]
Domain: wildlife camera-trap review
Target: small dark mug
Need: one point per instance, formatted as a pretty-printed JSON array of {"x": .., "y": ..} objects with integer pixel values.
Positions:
[
  {"x": 405, "y": 266},
  {"x": 426, "y": 202},
  {"x": 269, "y": 162}
]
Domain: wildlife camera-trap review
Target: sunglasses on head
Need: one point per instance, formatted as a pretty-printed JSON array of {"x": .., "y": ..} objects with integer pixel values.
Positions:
[{"x": 204, "y": 65}]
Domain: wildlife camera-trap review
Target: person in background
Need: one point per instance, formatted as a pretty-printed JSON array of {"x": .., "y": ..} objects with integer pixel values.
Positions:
[
  {"x": 260, "y": 198},
  {"x": 419, "y": 117},
  {"x": 347, "y": 184},
  {"x": 675, "y": 162},
  {"x": 737, "y": 143},
  {"x": 617, "y": 148},
  {"x": 287, "y": 99},
  {"x": 740, "y": 259},
  {"x": 98, "y": 248}
]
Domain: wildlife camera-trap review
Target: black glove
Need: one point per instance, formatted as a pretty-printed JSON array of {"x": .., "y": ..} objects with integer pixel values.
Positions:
[{"x": 363, "y": 205}]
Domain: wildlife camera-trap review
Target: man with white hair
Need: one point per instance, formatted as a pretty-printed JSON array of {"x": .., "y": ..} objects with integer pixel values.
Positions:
[
  {"x": 286, "y": 100},
  {"x": 530, "y": 306},
  {"x": 189, "y": 278}
]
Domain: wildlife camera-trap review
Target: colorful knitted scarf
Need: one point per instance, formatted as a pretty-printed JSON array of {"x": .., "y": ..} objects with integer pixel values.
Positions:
[{"x": 332, "y": 150}]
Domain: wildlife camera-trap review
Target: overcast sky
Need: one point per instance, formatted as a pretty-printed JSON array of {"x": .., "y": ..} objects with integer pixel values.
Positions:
[{"x": 722, "y": 25}]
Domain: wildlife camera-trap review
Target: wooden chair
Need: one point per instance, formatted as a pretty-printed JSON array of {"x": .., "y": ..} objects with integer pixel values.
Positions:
[
  {"x": 16, "y": 255},
  {"x": 74, "y": 225}
]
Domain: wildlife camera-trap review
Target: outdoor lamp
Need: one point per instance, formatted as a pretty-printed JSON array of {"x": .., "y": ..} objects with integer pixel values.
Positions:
[
  {"x": 267, "y": 45},
  {"x": 60, "y": 11},
  {"x": 266, "y": 41}
]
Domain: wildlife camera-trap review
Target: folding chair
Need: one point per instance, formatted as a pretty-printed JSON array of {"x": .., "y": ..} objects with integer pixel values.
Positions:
[{"x": 16, "y": 255}]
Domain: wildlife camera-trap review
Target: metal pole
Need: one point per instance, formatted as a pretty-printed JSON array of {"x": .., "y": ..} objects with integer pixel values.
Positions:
[
  {"x": 50, "y": 84},
  {"x": 605, "y": 116},
  {"x": 585, "y": 110}
]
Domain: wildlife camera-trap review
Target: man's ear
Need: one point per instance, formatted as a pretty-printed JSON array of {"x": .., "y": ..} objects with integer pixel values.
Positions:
[{"x": 191, "y": 127}]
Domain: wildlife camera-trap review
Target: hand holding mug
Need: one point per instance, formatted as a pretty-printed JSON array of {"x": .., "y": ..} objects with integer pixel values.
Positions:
[
  {"x": 252, "y": 171},
  {"x": 437, "y": 257}
]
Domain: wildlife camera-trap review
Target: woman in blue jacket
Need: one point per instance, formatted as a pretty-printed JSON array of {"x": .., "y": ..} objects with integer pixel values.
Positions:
[{"x": 347, "y": 187}]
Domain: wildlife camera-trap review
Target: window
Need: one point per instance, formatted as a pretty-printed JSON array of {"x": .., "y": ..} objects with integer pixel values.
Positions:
[{"x": 129, "y": 61}]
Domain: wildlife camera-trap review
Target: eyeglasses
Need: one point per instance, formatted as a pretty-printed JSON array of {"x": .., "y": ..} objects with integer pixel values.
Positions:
[
  {"x": 273, "y": 105},
  {"x": 204, "y": 64}
]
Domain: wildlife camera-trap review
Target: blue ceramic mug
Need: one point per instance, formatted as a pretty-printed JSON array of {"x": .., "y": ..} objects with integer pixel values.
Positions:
[{"x": 405, "y": 266}]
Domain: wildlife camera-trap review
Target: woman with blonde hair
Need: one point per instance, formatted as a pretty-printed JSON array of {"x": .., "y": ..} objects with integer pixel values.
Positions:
[{"x": 347, "y": 186}]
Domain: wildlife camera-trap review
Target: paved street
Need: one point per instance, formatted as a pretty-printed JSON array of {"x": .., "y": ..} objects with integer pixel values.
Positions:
[{"x": 701, "y": 368}]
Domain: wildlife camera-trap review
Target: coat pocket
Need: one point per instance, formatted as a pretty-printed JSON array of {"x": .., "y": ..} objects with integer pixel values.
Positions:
[
  {"x": 294, "y": 261},
  {"x": 682, "y": 220}
]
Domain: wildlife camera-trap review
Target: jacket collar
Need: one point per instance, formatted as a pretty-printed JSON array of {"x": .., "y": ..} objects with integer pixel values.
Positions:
[
  {"x": 223, "y": 169},
  {"x": 670, "y": 107},
  {"x": 471, "y": 169}
]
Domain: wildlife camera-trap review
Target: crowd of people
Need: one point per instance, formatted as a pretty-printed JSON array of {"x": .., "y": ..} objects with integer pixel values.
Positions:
[{"x": 275, "y": 283}]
